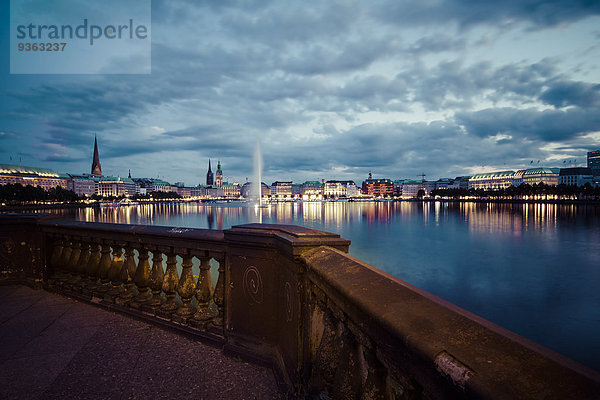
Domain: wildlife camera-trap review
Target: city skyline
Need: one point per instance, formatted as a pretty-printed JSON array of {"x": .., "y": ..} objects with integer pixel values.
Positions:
[{"x": 329, "y": 90}]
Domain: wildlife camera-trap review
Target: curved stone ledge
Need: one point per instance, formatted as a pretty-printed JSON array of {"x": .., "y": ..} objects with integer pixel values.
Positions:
[{"x": 446, "y": 350}]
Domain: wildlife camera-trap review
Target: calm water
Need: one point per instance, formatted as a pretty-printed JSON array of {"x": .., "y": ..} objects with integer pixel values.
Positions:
[{"x": 534, "y": 269}]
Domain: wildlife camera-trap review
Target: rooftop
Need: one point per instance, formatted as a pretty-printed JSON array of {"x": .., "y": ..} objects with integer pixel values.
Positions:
[
  {"x": 493, "y": 175},
  {"x": 17, "y": 169}
]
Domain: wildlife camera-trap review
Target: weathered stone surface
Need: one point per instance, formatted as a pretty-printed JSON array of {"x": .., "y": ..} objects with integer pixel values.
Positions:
[{"x": 52, "y": 347}]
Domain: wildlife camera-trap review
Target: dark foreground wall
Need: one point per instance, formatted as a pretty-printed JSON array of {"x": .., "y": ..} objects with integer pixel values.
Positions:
[{"x": 331, "y": 326}]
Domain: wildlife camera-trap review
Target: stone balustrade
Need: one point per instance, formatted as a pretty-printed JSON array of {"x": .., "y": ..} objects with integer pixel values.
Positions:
[
  {"x": 331, "y": 326},
  {"x": 113, "y": 268}
]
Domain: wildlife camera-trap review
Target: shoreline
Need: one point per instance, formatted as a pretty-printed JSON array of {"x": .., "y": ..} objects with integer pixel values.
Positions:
[{"x": 30, "y": 207}]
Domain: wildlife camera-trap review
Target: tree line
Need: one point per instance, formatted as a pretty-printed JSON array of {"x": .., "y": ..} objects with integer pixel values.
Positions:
[{"x": 15, "y": 193}]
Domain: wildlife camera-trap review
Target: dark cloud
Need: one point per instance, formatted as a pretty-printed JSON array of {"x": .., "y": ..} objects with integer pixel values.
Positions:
[
  {"x": 569, "y": 93},
  {"x": 468, "y": 13},
  {"x": 547, "y": 125}
]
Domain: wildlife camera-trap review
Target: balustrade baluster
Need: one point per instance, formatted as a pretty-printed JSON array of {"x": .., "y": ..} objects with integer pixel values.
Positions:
[
  {"x": 54, "y": 261},
  {"x": 57, "y": 250},
  {"x": 142, "y": 280},
  {"x": 186, "y": 288},
  {"x": 103, "y": 269},
  {"x": 219, "y": 295},
  {"x": 114, "y": 274},
  {"x": 92, "y": 269},
  {"x": 204, "y": 291},
  {"x": 170, "y": 283},
  {"x": 66, "y": 254},
  {"x": 63, "y": 262},
  {"x": 72, "y": 263},
  {"x": 82, "y": 263},
  {"x": 127, "y": 273},
  {"x": 157, "y": 275}
]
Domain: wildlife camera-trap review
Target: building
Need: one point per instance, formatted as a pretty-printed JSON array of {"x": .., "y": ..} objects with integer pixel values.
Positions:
[
  {"x": 548, "y": 176},
  {"x": 96, "y": 169},
  {"x": 518, "y": 177},
  {"x": 158, "y": 185},
  {"x": 377, "y": 187},
  {"x": 111, "y": 186},
  {"x": 231, "y": 190},
  {"x": 210, "y": 192},
  {"x": 410, "y": 188},
  {"x": 83, "y": 185},
  {"x": 311, "y": 190},
  {"x": 131, "y": 189},
  {"x": 248, "y": 191},
  {"x": 219, "y": 175},
  {"x": 460, "y": 182},
  {"x": 492, "y": 180},
  {"x": 281, "y": 190},
  {"x": 443, "y": 183},
  {"x": 209, "y": 176},
  {"x": 337, "y": 189},
  {"x": 575, "y": 176},
  {"x": 593, "y": 161},
  {"x": 149, "y": 185},
  {"x": 41, "y": 177},
  {"x": 182, "y": 191}
]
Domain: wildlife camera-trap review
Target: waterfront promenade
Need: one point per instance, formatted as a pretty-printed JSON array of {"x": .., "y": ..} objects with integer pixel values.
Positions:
[{"x": 53, "y": 347}]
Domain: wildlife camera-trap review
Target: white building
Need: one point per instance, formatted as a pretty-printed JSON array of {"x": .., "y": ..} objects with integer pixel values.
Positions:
[
  {"x": 575, "y": 176},
  {"x": 337, "y": 189},
  {"x": 83, "y": 185},
  {"x": 492, "y": 180},
  {"x": 549, "y": 176},
  {"x": 281, "y": 190}
]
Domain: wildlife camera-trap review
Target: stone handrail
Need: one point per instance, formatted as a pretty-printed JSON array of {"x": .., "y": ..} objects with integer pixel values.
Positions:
[{"x": 330, "y": 325}]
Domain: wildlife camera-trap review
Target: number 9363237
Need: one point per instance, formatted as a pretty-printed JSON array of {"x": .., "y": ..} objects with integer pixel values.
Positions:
[{"x": 48, "y": 46}]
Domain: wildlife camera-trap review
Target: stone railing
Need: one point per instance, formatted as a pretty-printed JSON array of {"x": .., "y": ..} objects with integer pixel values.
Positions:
[{"x": 330, "y": 325}]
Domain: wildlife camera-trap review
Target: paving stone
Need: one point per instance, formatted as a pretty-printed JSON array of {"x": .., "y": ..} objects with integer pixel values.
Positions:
[{"x": 52, "y": 347}]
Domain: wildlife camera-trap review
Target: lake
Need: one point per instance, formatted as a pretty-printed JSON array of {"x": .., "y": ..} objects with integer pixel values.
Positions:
[{"x": 531, "y": 268}]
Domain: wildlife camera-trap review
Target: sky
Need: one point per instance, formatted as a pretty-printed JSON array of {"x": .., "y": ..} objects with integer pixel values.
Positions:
[{"x": 328, "y": 89}]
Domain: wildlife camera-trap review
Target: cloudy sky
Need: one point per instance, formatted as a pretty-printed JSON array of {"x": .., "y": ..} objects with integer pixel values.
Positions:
[{"x": 330, "y": 89}]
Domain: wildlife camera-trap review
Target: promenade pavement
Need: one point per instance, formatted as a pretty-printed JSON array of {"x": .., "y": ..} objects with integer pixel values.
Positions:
[{"x": 52, "y": 347}]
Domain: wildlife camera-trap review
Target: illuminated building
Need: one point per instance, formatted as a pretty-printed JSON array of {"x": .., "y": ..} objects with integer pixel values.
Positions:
[
  {"x": 336, "y": 189},
  {"x": 548, "y": 176},
  {"x": 41, "y": 177},
  {"x": 410, "y": 188},
  {"x": 231, "y": 190},
  {"x": 83, "y": 185},
  {"x": 311, "y": 190},
  {"x": 377, "y": 187},
  {"x": 111, "y": 186},
  {"x": 281, "y": 189},
  {"x": 492, "y": 180}
]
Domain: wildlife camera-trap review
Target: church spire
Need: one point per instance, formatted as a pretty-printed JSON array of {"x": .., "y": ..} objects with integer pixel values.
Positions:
[
  {"x": 209, "y": 176},
  {"x": 96, "y": 169}
]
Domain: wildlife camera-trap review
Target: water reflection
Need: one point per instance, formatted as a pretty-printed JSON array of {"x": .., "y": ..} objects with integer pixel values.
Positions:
[{"x": 532, "y": 268}]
